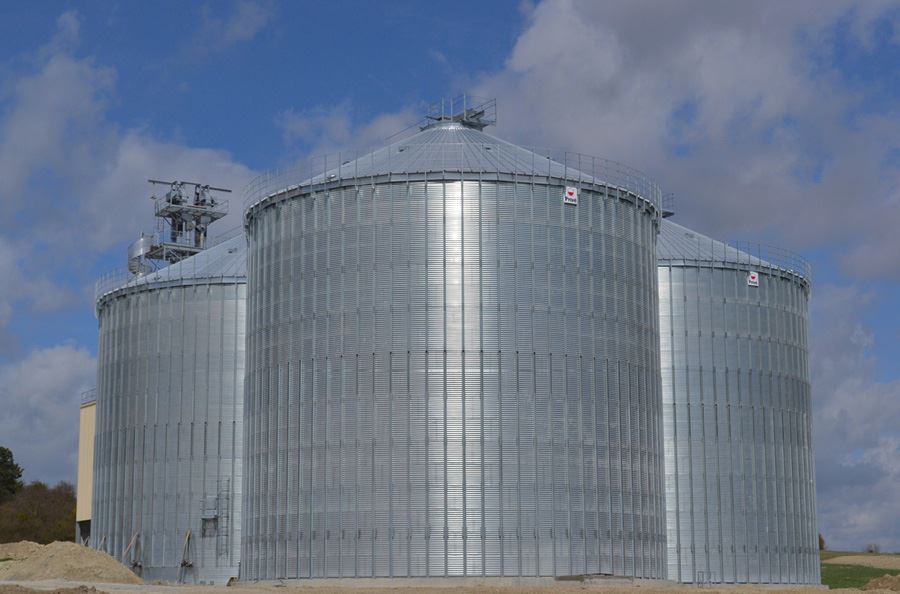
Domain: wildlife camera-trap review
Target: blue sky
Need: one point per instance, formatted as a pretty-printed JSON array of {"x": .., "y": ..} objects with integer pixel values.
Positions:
[{"x": 770, "y": 122}]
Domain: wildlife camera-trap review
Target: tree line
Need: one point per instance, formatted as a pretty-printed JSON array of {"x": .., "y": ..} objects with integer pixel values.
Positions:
[{"x": 33, "y": 511}]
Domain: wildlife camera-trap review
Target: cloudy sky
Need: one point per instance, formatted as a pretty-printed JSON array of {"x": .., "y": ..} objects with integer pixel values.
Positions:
[{"x": 770, "y": 121}]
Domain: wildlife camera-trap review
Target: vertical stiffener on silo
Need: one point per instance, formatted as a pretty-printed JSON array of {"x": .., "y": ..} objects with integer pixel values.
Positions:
[{"x": 740, "y": 489}]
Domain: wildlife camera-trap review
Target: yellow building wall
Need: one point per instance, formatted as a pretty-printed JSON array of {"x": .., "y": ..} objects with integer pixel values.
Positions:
[{"x": 85, "y": 488}]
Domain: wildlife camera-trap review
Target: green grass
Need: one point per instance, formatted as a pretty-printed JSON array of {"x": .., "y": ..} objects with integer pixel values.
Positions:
[
  {"x": 851, "y": 576},
  {"x": 832, "y": 554}
]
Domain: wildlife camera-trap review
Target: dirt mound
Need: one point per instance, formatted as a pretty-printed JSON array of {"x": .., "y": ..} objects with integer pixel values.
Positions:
[
  {"x": 10, "y": 589},
  {"x": 63, "y": 561},
  {"x": 879, "y": 561},
  {"x": 19, "y": 550},
  {"x": 885, "y": 582}
]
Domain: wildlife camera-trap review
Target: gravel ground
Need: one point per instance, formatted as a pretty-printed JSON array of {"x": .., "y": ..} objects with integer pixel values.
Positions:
[
  {"x": 414, "y": 586},
  {"x": 14, "y": 589}
]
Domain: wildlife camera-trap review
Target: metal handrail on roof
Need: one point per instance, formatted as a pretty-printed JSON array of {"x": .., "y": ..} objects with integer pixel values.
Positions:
[
  {"x": 120, "y": 277},
  {"x": 680, "y": 244},
  {"x": 426, "y": 158},
  {"x": 776, "y": 257},
  {"x": 88, "y": 396}
]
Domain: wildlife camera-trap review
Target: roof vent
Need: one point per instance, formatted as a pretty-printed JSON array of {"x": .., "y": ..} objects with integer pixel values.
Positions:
[{"x": 468, "y": 110}]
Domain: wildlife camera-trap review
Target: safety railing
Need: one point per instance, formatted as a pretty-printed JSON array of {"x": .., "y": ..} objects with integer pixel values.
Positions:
[
  {"x": 698, "y": 248},
  {"x": 775, "y": 256},
  {"x": 417, "y": 158},
  {"x": 219, "y": 208},
  {"x": 88, "y": 396},
  {"x": 187, "y": 268}
]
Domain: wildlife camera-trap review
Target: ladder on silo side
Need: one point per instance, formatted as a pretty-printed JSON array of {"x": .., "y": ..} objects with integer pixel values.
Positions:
[{"x": 223, "y": 528}]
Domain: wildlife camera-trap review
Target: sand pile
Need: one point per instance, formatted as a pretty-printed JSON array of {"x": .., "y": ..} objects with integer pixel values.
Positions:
[
  {"x": 886, "y": 582},
  {"x": 19, "y": 550},
  {"x": 61, "y": 561},
  {"x": 10, "y": 589}
]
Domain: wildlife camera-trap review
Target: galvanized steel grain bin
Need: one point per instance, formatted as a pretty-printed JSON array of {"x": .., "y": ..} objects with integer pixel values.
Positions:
[
  {"x": 168, "y": 455},
  {"x": 453, "y": 364},
  {"x": 740, "y": 490}
]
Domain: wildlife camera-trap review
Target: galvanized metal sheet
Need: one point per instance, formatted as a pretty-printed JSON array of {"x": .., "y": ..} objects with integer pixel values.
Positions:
[
  {"x": 740, "y": 490},
  {"x": 168, "y": 453},
  {"x": 452, "y": 378}
]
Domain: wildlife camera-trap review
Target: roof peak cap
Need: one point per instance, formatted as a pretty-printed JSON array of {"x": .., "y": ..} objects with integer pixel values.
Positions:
[{"x": 464, "y": 110}]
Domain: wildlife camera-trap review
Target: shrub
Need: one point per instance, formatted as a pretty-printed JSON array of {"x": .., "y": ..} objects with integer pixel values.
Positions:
[{"x": 39, "y": 513}]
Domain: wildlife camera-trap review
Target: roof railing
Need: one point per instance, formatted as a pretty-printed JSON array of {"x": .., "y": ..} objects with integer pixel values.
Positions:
[
  {"x": 778, "y": 257},
  {"x": 451, "y": 157},
  {"x": 120, "y": 277},
  {"x": 88, "y": 396}
]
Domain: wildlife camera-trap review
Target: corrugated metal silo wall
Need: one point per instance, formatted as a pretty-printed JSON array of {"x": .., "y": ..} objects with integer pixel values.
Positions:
[
  {"x": 169, "y": 429},
  {"x": 452, "y": 378},
  {"x": 740, "y": 493}
]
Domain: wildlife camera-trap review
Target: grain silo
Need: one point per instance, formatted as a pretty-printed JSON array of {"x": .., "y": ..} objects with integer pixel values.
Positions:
[
  {"x": 740, "y": 492},
  {"x": 168, "y": 453},
  {"x": 453, "y": 363}
]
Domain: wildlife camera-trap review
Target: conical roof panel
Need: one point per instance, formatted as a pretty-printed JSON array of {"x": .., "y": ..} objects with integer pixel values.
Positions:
[
  {"x": 680, "y": 243},
  {"x": 445, "y": 149},
  {"x": 226, "y": 261},
  {"x": 451, "y": 146}
]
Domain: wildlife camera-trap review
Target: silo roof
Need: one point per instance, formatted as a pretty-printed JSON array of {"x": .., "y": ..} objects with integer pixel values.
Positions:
[
  {"x": 680, "y": 243},
  {"x": 452, "y": 147},
  {"x": 676, "y": 243},
  {"x": 225, "y": 262}
]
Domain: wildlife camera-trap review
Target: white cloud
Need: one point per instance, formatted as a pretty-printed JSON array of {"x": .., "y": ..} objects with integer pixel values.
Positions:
[
  {"x": 76, "y": 177},
  {"x": 72, "y": 184},
  {"x": 248, "y": 19},
  {"x": 68, "y": 30},
  {"x": 326, "y": 130},
  {"x": 855, "y": 426},
  {"x": 17, "y": 286},
  {"x": 39, "y": 396},
  {"x": 116, "y": 203},
  {"x": 723, "y": 104},
  {"x": 35, "y": 291},
  {"x": 51, "y": 112},
  {"x": 217, "y": 32}
]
